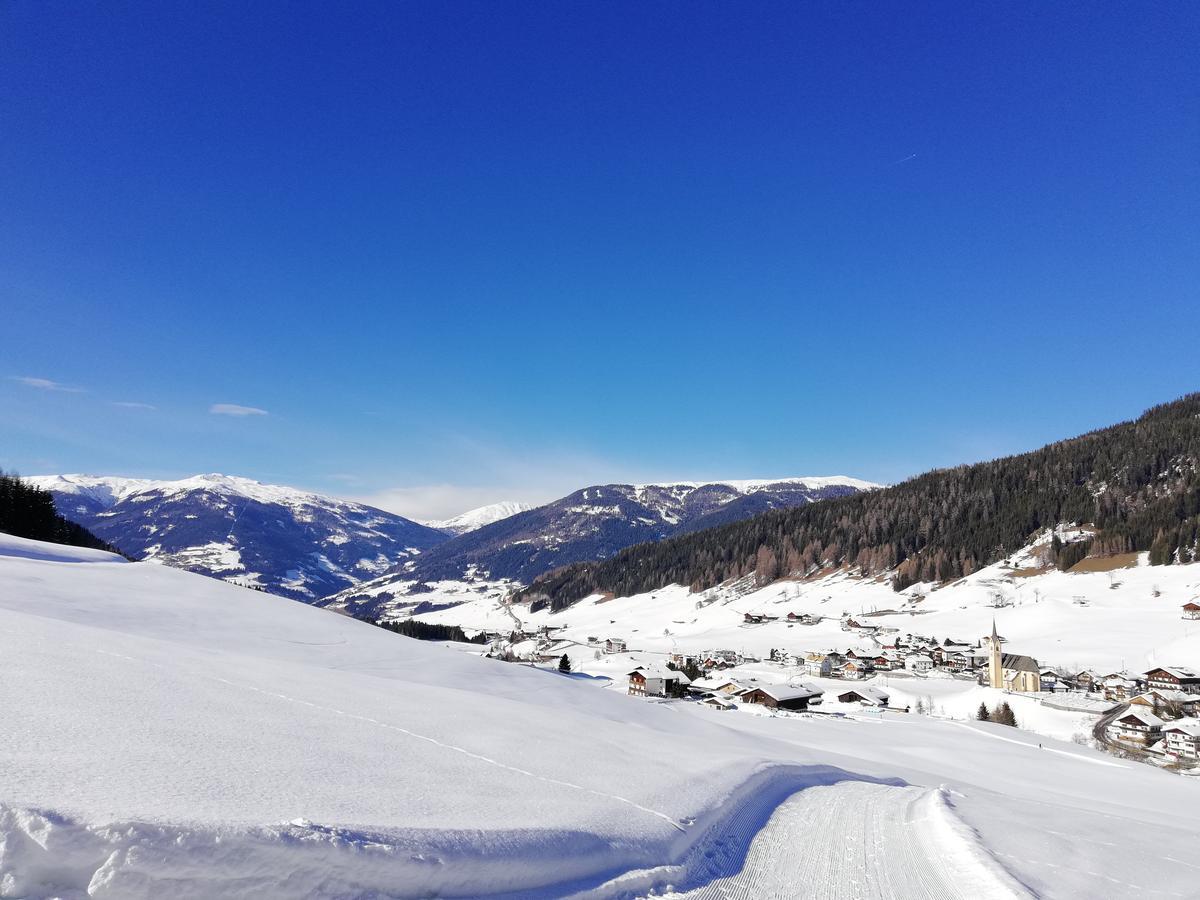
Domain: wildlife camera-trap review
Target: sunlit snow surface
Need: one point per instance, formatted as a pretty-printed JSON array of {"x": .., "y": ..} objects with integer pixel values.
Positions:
[{"x": 170, "y": 735}]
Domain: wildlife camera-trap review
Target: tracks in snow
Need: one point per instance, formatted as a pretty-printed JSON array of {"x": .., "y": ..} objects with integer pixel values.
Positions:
[{"x": 854, "y": 839}]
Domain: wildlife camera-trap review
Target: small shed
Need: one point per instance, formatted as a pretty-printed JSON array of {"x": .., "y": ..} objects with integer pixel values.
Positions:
[{"x": 867, "y": 696}]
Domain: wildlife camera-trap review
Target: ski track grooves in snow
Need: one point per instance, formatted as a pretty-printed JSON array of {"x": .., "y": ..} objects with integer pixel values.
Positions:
[{"x": 431, "y": 740}]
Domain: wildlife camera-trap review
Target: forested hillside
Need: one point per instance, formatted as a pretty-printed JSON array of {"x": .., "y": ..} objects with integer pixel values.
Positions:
[
  {"x": 1137, "y": 482},
  {"x": 28, "y": 512}
]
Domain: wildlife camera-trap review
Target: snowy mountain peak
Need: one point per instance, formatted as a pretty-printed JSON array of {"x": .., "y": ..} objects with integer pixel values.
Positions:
[
  {"x": 477, "y": 518},
  {"x": 281, "y": 539}
]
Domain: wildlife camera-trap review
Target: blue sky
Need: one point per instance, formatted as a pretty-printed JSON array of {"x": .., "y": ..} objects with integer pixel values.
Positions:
[{"x": 456, "y": 253}]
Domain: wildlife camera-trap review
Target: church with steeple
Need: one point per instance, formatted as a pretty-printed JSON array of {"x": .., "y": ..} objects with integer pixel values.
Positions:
[{"x": 1010, "y": 671}]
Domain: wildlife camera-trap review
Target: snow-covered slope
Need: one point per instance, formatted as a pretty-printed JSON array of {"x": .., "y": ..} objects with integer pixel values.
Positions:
[
  {"x": 286, "y": 541},
  {"x": 477, "y": 518},
  {"x": 592, "y": 523},
  {"x": 167, "y": 734},
  {"x": 1129, "y": 617}
]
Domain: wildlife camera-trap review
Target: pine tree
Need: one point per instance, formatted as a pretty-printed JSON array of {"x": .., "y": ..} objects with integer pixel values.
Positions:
[
  {"x": 982, "y": 714},
  {"x": 1003, "y": 715},
  {"x": 564, "y": 664}
]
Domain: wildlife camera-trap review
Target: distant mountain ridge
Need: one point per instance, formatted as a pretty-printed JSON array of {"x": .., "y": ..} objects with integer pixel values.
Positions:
[
  {"x": 477, "y": 518},
  {"x": 284, "y": 540},
  {"x": 592, "y": 523}
]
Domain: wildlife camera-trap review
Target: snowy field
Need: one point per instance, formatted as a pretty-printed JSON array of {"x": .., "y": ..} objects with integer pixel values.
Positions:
[{"x": 168, "y": 734}]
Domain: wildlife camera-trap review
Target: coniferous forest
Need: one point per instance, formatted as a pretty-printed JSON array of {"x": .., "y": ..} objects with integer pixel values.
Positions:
[
  {"x": 1137, "y": 483},
  {"x": 28, "y": 512}
]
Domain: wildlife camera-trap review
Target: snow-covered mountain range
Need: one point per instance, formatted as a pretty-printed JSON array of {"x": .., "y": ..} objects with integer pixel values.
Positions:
[
  {"x": 283, "y": 540},
  {"x": 591, "y": 523},
  {"x": 477, "y": 518}
]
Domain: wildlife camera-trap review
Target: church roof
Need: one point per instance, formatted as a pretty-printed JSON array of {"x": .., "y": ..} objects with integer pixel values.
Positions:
[{"x": 1018, "y": 663}]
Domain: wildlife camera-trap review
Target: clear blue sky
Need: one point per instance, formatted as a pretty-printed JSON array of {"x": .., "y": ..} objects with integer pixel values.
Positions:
[{"x": 468, "y": 251}]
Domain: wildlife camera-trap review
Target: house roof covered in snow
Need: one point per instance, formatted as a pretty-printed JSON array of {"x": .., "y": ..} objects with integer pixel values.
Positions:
[
  {"x": 1175, "y": 671},
  {"x": 870, "y": 694},
  {"x": 658, "y": 670},
  {"x": 1148, "y": 719},
  {"x": 783, "y": 692}
]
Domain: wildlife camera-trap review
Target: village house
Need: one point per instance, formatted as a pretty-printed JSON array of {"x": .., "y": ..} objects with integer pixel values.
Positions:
[
  {"x": 867, "y": 696},
  {"x": 715, "y": 685},
  {"x": 782, "y": 696},
  {"x": 656, "y": 681},
  {"x": 919, "y": 663},
  {"x": 1136, "y": 727},
  {"x": 614, "y": 645},
  {"x": 957, "y": 660},
  {"x": 1050, "y": 681},
  {"x": 1191, "y": 610},
  {"x": 1181, "y": 739},
  {"x": 1174, "y": 678},
  {"x": 721, "y": 657},
  {"x": 716, "y": 702},
  {"x": 1120, "y": 687},
  {"x": 818, "y": 665},
  {"x": 1085, "y": 681},
  {"x": 854, "y": 669},
  {"x": 803, "y": 618},
  {"x": 1167, "y": 704}
]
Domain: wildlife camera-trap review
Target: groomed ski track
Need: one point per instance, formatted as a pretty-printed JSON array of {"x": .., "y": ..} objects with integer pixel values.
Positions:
[{"x": 857, "y": 840}]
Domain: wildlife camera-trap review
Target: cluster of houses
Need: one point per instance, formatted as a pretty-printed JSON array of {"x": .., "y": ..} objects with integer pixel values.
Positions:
[
  {"x": 919, "y": 655},
  {"x": 720, "y": 692},
  {"x": 1162, "y": 716}
]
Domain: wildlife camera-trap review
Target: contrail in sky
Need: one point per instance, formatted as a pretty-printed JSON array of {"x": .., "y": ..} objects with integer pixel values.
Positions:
[{"x": 906, "y": 159}]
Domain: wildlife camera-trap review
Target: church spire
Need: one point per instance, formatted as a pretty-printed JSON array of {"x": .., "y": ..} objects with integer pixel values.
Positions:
[{"x": 995, "y": 660}]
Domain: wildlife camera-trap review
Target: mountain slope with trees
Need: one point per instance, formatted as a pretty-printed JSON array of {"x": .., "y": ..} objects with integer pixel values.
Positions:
[
  {"x": 29, "y": 512},
  {"x": 1138, "y": 483}
]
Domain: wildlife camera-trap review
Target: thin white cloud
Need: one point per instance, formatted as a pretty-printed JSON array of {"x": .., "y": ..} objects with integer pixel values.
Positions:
[
  {"x": 434, "y": 502},
  {"x": 133, "y": 404},
  {"x": 498, "y": 472},
  {"x": 45, "y": 384},
  {"x": 233, "y": 409}
]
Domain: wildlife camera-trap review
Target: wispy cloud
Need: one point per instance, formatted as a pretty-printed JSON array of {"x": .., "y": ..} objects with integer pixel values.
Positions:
[
  {"x": 430, "y": 502},
  {"x": 233, "y": 409},
  {"x": 133, "y": 404},
  {"x": 45, "y": 384}
]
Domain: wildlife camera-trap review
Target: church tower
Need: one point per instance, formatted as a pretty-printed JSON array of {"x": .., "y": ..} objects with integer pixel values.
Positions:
[{"x": 995, "y": 660}]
